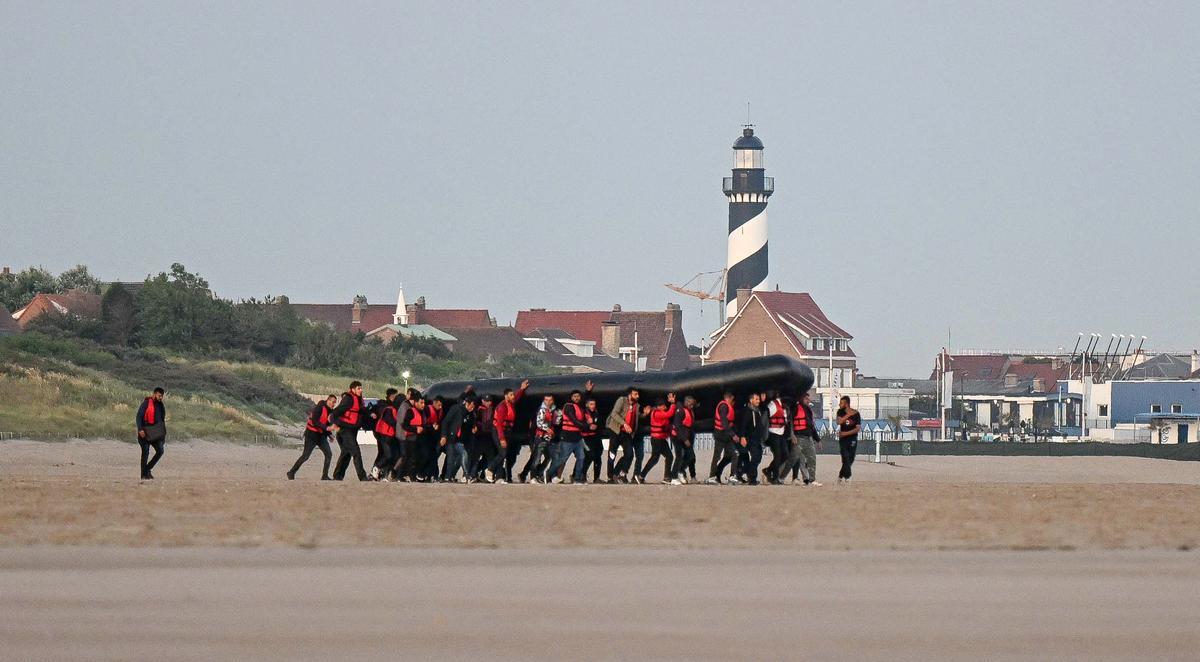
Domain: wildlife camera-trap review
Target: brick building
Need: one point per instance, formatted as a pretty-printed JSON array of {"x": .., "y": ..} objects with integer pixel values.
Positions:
[
  {"x": 75, "y": 303},
  {"x": 648, "y": 340}
]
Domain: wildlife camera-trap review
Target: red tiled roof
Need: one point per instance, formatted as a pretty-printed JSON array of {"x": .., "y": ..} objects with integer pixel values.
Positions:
[
  {"x": 72, "y": 302},
  {"x": 1044, "y": 371},
  {"x": 798, "y": 310},
  {"x": 461, "y": 318},
  {"x": 583, "y": 324},
  {"x": 340, "y": 316},
  {"x": 974, "y": 366}
]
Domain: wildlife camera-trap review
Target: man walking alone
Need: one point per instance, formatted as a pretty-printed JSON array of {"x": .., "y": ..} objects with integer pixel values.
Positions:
[{"x": 151, "y": 430}]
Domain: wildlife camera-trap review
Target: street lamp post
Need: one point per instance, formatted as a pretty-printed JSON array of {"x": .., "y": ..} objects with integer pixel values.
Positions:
[{"x": 406, "y": 374}]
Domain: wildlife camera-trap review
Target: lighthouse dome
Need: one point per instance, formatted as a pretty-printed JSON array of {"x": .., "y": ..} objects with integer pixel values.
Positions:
[{"x": 748, "y": 140}]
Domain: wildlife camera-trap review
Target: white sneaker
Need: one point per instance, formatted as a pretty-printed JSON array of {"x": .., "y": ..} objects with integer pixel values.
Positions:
[
  {"x": 384, "y": 480},
  {"x": 555, "y": 481},
  {"x": 462, "y": 481},
  {"x": 713, "y": 480},
  {"x": 733, "y": 481},
  {"x": 487, "y": 474},
  {"x": 375, "y": 473},
  {"x": 814, "y": 484},
  {"x": 675, "y": 481}
]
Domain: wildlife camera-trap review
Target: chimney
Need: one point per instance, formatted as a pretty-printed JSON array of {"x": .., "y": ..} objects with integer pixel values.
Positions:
[
  {"x": 356, "y": 310},
  {"x": 1195, "y": 361},
  {"x": 743, "y": 295},
  {"x": 610, "y": 338},
  {"x": 7, "y": 271},
  {"x": 616, "y": 308},
  {"x": 1039, "y": 385},
  {"x": 674, "y": 317}
]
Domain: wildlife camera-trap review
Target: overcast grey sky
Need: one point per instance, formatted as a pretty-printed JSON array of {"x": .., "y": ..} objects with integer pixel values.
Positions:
[{"x": 1018, "y": 172}]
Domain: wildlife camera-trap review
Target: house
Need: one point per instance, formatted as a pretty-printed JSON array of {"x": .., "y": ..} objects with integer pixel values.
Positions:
[
  {"x": 647, "y": 340},
  {"x": 792, "y": 324},
  {"x": 567, "y": 352},
  {"x": 974, "y": 366},
  {"x": 8, "y": 325},
  {"x": 787, "y": 323},
  {"x": 359, "y": 315},
  {"x": 389, "y": 332},
  {"x": 1130, "y": 410},
  {"x": 75, "y": 303}
]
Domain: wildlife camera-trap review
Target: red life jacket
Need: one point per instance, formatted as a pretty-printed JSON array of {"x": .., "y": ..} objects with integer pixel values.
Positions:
[
  {"x": 148, "y": 417},
  {"x": 418, "y": 418},
  {"x": 433, "y": 416},
  {"x": 567, "y": 424},
  {"x": 382, "y": 426},
  {"x": 686, "y": 423},
  {"x": 324, "y": 421},
  {"x": 660, "y": 422},
  {"x": 350, "y": 416},
  {"x": 800, "y": 421},
  {"x": 719, "y": 418},
  {"x": 779, "y": 418},
  {"x": 631, "y": 416}
]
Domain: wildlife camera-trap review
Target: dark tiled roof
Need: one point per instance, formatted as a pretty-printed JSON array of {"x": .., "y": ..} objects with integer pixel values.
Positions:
[
  {"x": 488, "y": 342},
  {"x": 1161, "y": 366},
  {"x": 7, "y": 323},
  {"x": 975, "y": 366},
  {"x": 663, "y": 349}
]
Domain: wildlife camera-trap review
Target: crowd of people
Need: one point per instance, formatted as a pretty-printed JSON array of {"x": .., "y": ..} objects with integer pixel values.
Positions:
[{"x": 474, "y": 439}]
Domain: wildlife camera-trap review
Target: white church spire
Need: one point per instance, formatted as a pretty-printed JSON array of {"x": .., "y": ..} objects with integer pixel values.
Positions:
[{"x": 401, "y": 314}]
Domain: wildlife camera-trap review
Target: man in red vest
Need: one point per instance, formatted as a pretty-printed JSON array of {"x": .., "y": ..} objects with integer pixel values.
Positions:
[
  {"x": 805, "y": 441},
  {"x": 499, "y": 470},
  {"x": 347, "y": 418},
  {"x": 151, "y": 430},
  {"x": 316, "y": 435},
  {"x": 681, "y": 440},
  {"x": 661, "y": 418},
  {"x": 726, "y": 449},
  {"x": 387, "y": 446},
  {"x": 570, "y": 443}
]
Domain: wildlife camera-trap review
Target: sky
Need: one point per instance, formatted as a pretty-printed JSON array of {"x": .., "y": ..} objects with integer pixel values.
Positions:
[{"x": 1006, "y": 174}]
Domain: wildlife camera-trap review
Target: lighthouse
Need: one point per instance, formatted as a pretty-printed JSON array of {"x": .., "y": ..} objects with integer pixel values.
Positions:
[{"x": 747, "y": 191}]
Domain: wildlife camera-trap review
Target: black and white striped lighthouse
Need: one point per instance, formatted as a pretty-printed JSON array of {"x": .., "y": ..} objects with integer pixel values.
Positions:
[{"x": 747, "y": 190}]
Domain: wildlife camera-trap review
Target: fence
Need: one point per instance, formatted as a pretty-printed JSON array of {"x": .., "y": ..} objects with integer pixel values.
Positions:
[{"x": 1189, "y": 452}]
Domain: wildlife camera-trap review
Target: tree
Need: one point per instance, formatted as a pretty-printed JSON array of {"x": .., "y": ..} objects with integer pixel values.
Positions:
[
  {"x": 269, "y": 328},
  {"x": 118, "y": 314},
  {"x": 17, "y": 290},
  {"x": 78, "y": 278},
  {"x": 179, "y": 311}
]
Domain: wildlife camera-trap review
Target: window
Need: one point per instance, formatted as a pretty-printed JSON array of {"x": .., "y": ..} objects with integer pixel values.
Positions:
[
  {"x": 1155, "y": 409},
  {"x": 1176, "y": 408},
  {"x": 841, "y": 345},
  {"x": 1103, "y": 410},
  {"x": 818, "y": 343}
]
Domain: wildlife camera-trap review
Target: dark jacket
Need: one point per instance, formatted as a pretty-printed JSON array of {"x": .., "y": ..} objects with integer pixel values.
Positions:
[
  {"x": 156, "y": 427},
  {"x": 812, "y": 422},
  {"x": 318, "y": 412},
  {"x": 752, "y": 424},
  {"x": 456, "y": 424}
]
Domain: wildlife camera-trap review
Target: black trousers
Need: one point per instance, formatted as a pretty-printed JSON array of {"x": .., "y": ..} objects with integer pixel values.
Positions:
[
  {"x": 539, "y": 459},
  {"x": 157, "y": 445},
  {"x": 386, "y": 454},
  {"x": 314, "y": 440},
  {"x": 592, "y": 451},
  {"x": 751, "y": 459},
  {"x": 779, "y": 453},
  {"x": 499, "y": 456},
  {"x": 725, "y": 452},
  {"x": 410, "y": 458},
  {"x": 685, "y": 457},
  {"x": 848, "y": 449},
  {"x": 347, "y": 439},
  {"x": 660, "y": 448},
  {"x": 632, "y": 452},
  {"x": 480, "y": 452}
]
